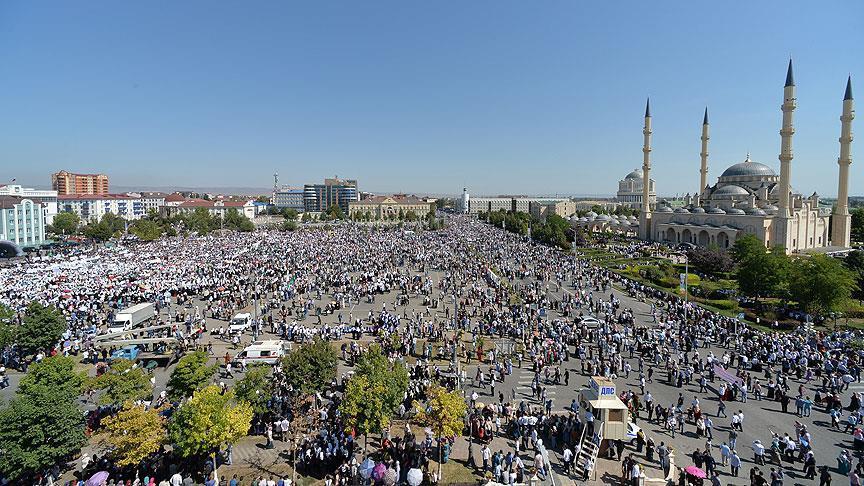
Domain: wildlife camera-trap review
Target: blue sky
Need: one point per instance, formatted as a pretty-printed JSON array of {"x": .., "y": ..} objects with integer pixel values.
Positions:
[{"x": 501, "y": 96}]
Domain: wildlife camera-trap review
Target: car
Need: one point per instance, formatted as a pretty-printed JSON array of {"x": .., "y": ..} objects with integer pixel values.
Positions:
[
  {"x": 590, "y": 321},
  {"x": 632, "y": 432},
  {"x": 126, "y": 352},
  {"x": 239, "y": 323}
]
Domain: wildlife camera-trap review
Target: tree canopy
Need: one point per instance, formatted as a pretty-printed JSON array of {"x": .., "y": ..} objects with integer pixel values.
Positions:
[
  {"x": 820, "y": 283},
  {"x": 191, "y": 374},
  {"x": 310, "y": 367},
  {"x": 123, "y": 381},
  {"x": 760, "y": 273},
  {"x": 255, "y": 388},
  {"x": 66, "y": 223},
  {"x": 209, "y": 421},
  {"x": 135, "y": 433},
  {"x": 41, "y": 328}
]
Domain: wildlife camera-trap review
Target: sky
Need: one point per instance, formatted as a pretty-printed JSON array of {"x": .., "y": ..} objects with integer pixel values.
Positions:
[{"x": 499, "y": 96}]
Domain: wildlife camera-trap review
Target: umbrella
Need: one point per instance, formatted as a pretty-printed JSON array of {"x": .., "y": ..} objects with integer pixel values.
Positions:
[
  {"x": 366, "y": 468},
  {"x": 378, "y": 472},
  {"x": 390, "y": 477},
  {"x": 415, "y": 477},
  {"x": 97, "y": 479},
  {"x": 695, "y": 472}
]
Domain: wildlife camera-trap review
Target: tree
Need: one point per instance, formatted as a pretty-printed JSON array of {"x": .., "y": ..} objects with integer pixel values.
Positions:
[
  {"x": 820, "y": 283},
  {"x": 760, "y": 273},
  {"x": 146, "y": 229},
  {"x": 857, "y": 225},
  {"x": 237, "y": 222},
  {"x": 53, "y": 376},
  {"x": 42, "y": 425},
  {"x": 255, "y": 388},
  {"x": 135, "y": 433},
  {"x": 374, "y": 392},
  {"x": 114, "y": 222},
  {"x": 191, "y": 374},
  {"x": 444, "y": 413},
  {"x": 100, "y": 231},
  {"x": 289, "y": 225},
  {"x": 290, "y": 214},
  {"x": 854, "y": 261},
  {"x": 41, "y": 328},
  {"x": 209, "y": 421},
  {"x": 311, "y": 367},
  {"x": 711, "y": 260},
  {"x": 123, "y": 381},
  {"x": 66, "y": 223},
  {"x": 306, "y": 218},
  {"x": 37, "y": 432}
]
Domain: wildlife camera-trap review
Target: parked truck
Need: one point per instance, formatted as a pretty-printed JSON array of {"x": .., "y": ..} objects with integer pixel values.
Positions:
[{"x": 129, "y": 318}]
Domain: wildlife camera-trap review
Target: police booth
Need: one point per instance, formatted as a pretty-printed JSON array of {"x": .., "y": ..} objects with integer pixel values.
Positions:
[{"x": 610, "y": 413}]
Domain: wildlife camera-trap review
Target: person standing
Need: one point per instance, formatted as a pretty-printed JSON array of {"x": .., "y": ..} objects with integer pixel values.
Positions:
[{"x": 735, "y": 463}]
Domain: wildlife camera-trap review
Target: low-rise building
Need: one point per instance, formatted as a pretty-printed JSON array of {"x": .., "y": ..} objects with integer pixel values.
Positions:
[
  {"x": 565, "y": 209},
  {"x": 22, "y": 220},
  {"x": 389, "y": 207},
  {"x": 48, "y": 198},
  {"x": 91, "y": 207},
  {"x": 217, "y": 208}
]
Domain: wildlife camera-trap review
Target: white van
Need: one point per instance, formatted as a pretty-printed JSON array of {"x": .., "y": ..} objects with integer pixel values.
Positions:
[
  {"x": 263, "y": 352},
  {"x": 239, "y": 323}
]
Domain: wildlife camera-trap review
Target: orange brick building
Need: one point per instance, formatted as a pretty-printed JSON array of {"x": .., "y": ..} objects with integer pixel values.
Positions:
[{"x": 67, "y": 183}]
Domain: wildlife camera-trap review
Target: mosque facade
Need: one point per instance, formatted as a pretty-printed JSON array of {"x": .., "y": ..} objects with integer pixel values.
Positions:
[
  {"x": 630, "y": 190},
  {"x": 751, "y": 198}
]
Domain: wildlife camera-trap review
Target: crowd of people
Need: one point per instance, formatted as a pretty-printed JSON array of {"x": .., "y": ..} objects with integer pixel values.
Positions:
[{"x": 444, "y": 296}]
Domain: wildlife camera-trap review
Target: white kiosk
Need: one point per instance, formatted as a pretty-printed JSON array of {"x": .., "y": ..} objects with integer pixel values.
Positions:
[{"x": 610, "y": 413}]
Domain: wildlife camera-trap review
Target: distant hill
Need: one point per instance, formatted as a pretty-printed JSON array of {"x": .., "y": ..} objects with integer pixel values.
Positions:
[{"x": 240, "y": 191}]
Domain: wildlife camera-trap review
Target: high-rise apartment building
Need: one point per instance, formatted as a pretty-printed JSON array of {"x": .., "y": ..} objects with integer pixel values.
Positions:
[
  {"x": 340, "y": 192},
  {"x": 67, "y": 183}
]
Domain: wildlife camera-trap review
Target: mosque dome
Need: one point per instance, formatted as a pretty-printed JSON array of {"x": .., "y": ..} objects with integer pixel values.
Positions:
[
  {"x": 682, "y": 211},
  {"x": 755, "y": 212},
  {"x": 716, "y": 211},
  {"x": 730, "y": 190},
  {"x": 664, "y": 209},
  {"x": 748, "y": 168},
  {"x": 735, "y": 211},
  {"x": 698, "y": 210},
  {"x": 591, "y": 214},
  {"x": 603, "y": 217},
  {"x": 636, "y": 174}
]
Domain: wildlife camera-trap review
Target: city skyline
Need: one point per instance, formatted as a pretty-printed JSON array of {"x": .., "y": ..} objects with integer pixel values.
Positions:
[{"x": 497, "y": 97}]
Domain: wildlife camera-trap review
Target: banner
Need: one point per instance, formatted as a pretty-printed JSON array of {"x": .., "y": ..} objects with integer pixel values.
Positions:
[{"x": 726, "y": 376}]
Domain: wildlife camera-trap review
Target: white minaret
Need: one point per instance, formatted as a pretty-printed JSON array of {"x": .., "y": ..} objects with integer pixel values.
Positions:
[
  {"x": 645, "y": 217},
  {"x": 703, "y": 169},
  {"x": 465, "y": 200},
  {"x": 841, "y": 221},
  {"x": 784, "y": 213}
]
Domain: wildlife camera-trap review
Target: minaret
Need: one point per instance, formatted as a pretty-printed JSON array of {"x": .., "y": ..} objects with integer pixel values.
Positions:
[
  {"x": 645, "y": 217},
  {"x": 841, "y": 221},
  {"x": 784, "y": 213},
  {"x": 703, "y": 169}
]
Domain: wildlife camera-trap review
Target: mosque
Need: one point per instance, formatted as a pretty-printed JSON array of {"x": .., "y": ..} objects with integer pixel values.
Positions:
[{"x": 748, "y": 198}]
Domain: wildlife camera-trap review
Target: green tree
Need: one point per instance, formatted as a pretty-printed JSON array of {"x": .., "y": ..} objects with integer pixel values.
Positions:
[
  {"x": 311, "y": 367},
  {"x": 760, "y": 273},
  {"x": 123, "y": 381},
  {"x": 288, "y": 225},
  {"x": 857, "y": 225},
  {"x": 191, "y": 374},
  {"x": 115, "y": 223},
  {"x": 820, "y": 283},
  {"x": 854, "y": 261},
  {"x": 135, "y": 433},
  {"x": 307, "y": 218},
  {"x": 146, "y": 229},
  {"x": 289, "y": 214},
  {"x": 37, "y": 432},
  {"x": 237, "y": 222},
  {"x": 443, "y": 413},
  {"x": 66, "y": 223},
  {"x": 54, "y": 375},
  {"x": 100, "y": 231},
  {"x": 42, "y": 425},
  {"x": 255, "y": 388},
  {"x": 374, "y": 392},
  {"x": 41, "y": 328},
  {"x": 209, "y": 421}
]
